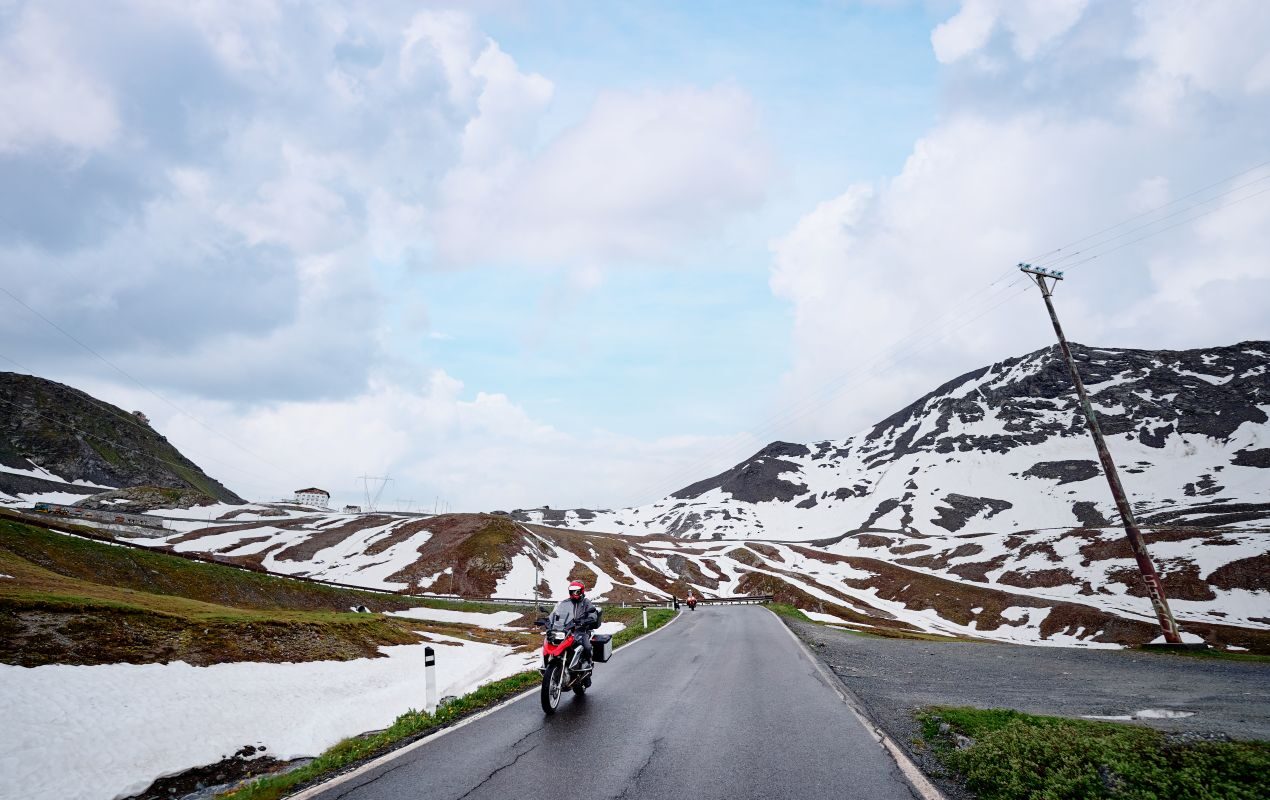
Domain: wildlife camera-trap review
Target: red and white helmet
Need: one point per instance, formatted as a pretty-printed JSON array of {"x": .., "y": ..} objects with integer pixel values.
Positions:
[{"x": 576, "y": 589}]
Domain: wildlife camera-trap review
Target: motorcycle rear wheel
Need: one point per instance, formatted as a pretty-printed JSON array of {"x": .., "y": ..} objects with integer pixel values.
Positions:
[{"x": 552, "y": 680}]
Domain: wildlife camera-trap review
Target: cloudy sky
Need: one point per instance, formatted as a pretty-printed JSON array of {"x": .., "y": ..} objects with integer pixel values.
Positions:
[{"x": 582, "y": 254}]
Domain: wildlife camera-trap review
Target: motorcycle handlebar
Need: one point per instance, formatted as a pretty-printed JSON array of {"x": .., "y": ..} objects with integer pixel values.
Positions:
[{"x": 570, "y": 627}]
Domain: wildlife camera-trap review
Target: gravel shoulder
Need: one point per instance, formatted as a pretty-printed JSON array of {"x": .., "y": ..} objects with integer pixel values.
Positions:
[{"x": 893, "y": 677}]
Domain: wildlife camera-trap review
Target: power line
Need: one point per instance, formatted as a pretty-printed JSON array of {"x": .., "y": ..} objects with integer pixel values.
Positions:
[
  {"x": 384, "y": 480},
  {"x": 1057, "y": 261},
  {"x": 130, "y": 377},
  {"x": 1039, "y": 259},
  {"x": 1170, "y": 227}
]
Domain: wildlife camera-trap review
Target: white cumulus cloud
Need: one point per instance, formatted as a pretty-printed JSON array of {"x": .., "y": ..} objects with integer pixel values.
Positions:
[
  {"x": 640, "y": 175},
  {"x": 897, "y": 285}
]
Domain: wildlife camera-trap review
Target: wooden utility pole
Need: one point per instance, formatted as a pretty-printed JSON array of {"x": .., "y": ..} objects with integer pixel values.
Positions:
[{"x": 1154, "y": 588}]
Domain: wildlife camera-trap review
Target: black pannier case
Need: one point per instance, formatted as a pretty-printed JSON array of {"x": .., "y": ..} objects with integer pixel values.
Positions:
[{"x": 601, "y": 647}]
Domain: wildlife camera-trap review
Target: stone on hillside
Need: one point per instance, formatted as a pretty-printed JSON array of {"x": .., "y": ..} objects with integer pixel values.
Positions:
[{"x": 139, "y": 499}]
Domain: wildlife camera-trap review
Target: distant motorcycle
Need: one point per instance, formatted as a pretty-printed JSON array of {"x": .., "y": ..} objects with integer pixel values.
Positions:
[
  {"x": 692, "y": 604},
  {"x": 561, "y": 663}
]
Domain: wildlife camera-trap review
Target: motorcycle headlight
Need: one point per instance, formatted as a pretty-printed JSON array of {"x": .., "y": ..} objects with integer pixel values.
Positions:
[{"x": 556, "y": 637}]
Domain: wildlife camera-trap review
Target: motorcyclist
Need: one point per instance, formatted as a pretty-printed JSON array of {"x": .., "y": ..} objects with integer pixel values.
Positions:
[
  {"x": 579, "y": 612},
  {"x": 692, "y": 600}
]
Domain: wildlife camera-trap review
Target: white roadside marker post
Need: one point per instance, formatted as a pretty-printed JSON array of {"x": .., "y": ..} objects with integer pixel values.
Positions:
[
  {"x": 646, "y": 619},
  {"x": 430, "y": 680}
]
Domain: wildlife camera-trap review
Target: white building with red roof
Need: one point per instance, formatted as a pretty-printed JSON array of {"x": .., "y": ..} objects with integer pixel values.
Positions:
[{"x": 318, "y": 498}]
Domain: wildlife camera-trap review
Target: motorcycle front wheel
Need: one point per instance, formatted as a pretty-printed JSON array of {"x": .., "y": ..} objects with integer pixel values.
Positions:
[{"x": 552, "y": 681}]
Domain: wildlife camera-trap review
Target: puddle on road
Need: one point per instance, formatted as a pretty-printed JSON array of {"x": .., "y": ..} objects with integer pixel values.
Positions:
[
  {"x": 1162, "y": 713},
  {"x": 1146, "y": 713}
]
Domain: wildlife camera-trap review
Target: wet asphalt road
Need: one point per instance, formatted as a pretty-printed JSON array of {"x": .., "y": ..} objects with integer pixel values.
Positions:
[
  {"x": 891, "y": 678},
  {"x": 721, "y": 704}
]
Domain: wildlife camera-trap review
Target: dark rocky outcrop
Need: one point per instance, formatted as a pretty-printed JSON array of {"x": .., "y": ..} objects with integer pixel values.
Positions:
[
  {"x": 1169, "y": 401},
  {"x": 1151, "y": 393},
  {"x": 1253, "y": 458},
  {"x": 757, "y": 479},
  {"x": 78, "y": 437},
  {"x": 1089, "y": 515},
  {"x": 25, "y": 484},
  {"x": 139, "y": 499},
  {"x": 1063, "y": 471},
  {"x": 961, "y": 509}
]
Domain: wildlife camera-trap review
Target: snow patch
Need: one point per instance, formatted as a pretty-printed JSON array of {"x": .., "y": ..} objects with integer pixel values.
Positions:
[
  {"x": 820, "y": 616},
  {"x": 496, "y": 620},
  {"x": 94, "y": 733}
]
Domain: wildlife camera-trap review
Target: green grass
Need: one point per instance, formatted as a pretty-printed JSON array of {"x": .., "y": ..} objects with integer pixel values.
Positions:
[
  {"x": 410, "y": 725},
  {"x": 416, "y": 724},
  {"x": 1220, "y": 655},
  {"x": 1016, "y": 756},
  {"x": 786, "y": 610},
  {"x": 78, "y": 601},
  {"x": 633, "y": 619},
  {"x": 56, "y": 555}
]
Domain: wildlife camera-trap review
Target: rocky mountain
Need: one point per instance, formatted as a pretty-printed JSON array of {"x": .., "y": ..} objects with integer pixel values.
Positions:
[
  {"x": 1073, "y": 587},
  {"x": 58, "y": 440},
  {"x": 140, "y": 499},
  {"x": 1003, "y": 449},
  {"x": 976, "y": 512}
]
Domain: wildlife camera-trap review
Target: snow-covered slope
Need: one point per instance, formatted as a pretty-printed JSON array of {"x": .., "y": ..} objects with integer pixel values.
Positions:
[
  {"x": 977, "y": 511},
  {"x": 1003, "y": 449},
  {"x": 1074, "y": 586}
]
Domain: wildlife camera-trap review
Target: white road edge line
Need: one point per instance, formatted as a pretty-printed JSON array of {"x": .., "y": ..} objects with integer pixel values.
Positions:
[
  {"x": 317, "y": 788},
  {"x": 920, "y": 783}
]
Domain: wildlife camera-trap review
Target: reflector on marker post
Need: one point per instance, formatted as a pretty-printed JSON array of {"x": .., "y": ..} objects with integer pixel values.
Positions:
[{"x": 430, "y": 680}]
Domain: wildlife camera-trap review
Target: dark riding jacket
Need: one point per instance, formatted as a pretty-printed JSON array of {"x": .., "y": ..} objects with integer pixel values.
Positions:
[{"x": 581, "y": 611}]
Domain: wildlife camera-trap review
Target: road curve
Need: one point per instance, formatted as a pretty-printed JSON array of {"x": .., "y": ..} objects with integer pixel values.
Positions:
[{"x": 722, "y": 704}]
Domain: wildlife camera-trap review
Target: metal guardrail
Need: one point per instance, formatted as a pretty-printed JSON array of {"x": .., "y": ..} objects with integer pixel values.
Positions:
[
  {"x": 550, "y": 601},
  {"x": 754, "y": 599},
  {"x": 504, "y": 601},
  {"x": 669, "y": 602}
]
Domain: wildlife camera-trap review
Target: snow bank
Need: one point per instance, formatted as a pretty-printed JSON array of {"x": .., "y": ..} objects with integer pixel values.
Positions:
[
  {"x": 822, "y": 617},
  {"x": 101, "y": 732},
  {"x": 495, "y": 621}
]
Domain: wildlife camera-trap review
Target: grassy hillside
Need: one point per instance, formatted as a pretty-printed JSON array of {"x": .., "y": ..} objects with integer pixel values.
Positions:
[{"x": 73, "y": 601}]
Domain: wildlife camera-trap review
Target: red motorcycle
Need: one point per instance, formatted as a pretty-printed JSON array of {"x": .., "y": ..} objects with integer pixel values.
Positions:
[
  {"x": 561, "y": 663},
  {"x": 692, "y": 604}
]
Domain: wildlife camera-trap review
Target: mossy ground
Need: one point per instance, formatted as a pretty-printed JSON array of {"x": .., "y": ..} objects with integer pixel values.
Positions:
[
  {"x": 1210, "y": 653},
  {"x": 68, "y": 600},
  {"x": 1015, "y": 756}
]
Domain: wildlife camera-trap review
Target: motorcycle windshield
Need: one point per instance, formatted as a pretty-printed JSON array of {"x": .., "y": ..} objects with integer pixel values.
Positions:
[{"x": 566, "y": 611}]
